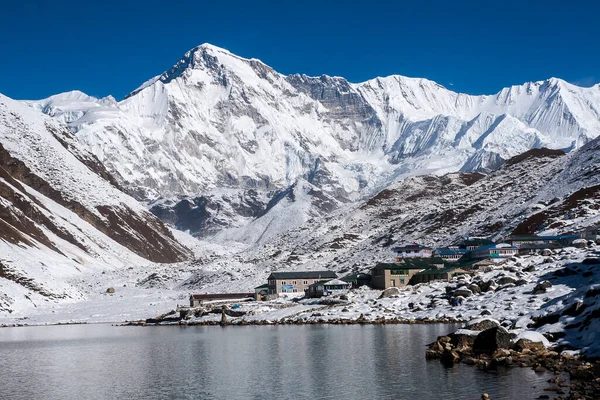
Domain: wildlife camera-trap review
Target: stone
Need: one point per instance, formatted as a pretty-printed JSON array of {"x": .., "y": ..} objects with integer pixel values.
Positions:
[
  {"x": 542, "y": 287},
  {"x": 526, "y": 344},
  {"x": 474, "y": 288},
  {"x": 110, "y": 290},
  {"x": 462, "y": 340},
  {"x": 482, "y": 325},
  {"x": 506, "y": 279},
  {"x": 546, "y": 252},
  {"x": 462, "y": 291},
  {"x": 389, "y": 292},
  {"x": 450, "y": 357},
  {"x": 490, "y": 340}
]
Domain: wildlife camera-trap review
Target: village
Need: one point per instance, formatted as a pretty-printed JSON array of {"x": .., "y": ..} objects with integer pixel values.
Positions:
[{"x": 412, "y": 264}]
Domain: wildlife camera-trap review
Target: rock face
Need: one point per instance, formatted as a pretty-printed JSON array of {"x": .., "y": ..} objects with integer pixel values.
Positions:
[{"x": 490, "y": 340}]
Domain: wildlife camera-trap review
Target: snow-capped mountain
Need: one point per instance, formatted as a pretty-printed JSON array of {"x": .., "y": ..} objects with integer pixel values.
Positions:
[
  {"x": 224, "y": 136},
  {"x": 62, "y": 215}
]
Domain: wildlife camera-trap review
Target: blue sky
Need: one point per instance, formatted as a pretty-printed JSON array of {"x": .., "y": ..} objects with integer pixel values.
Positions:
[{"x": 111, "y": 47}]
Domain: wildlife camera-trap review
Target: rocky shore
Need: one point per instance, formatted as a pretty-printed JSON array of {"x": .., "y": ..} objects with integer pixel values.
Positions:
[{"x": 489, "y": 346}]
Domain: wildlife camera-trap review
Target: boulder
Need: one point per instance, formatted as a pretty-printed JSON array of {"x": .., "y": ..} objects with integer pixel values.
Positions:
[
  {"x": 110, "y": 290},
  {"x": 462, "y": 291},
  {"x": 463, "y": 338},
  {"x": 506, "y": 279},
  {"x": 546, "y": 252},
  {"x": 490, "y": 340},
  {"x": 526, "y": 344},
  {"x": 482, "y": 324},
  {"x": 474, "y": 288},
  {"x": 450, "y": 357},
  {"x": 542, "y": 287},
  {"x": 389, "y": 292}
]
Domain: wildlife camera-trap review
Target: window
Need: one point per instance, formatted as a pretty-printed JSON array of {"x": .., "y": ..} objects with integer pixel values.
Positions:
[
  {"x": 402, "y": 281},
  {"x": 283, "y": 282},
  {"x": 399, "y": 272},
  {"x": 294, "y": 290},
  {"x": 306, "y": 282},
  {"x": 392, "y": 283},
  {"x": 294, "y": 282}
]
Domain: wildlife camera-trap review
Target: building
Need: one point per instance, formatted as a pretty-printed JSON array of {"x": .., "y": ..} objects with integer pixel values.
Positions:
[
  {"x": 450, "y": 253},
  {"x": 434, "y": 274},
  {"x": 473, "y": 243},
  {"x": 536, "y": 241},
  {"x": 326, "y": 288},
  {"x": 496, "y": 251},
  {"x": 412, "y": 250},
  {"x": 296, "y": 282},
  {"x": 358, "y": 280},
  {"x": 591, "y": 233},
  {"x": 198, "y": 299},
  {"x": 385, "y": 275},
  {"x": 261, "y": 292}
]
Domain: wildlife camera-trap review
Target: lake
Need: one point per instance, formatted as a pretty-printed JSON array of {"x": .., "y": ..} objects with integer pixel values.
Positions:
[{"x": 250, "y": 362}]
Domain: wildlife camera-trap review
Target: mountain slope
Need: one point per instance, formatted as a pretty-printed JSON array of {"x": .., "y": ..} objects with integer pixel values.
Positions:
[
  {"x": 542, "y": 190},
  {"x": 62, "y": 214},
  {"x": 217, "y": 122}
]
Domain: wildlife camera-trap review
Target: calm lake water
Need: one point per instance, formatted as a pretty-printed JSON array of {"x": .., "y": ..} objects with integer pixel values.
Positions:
[{"x": 252, "y": 362}]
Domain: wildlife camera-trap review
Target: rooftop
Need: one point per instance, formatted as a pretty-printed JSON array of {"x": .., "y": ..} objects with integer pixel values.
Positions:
[
  {"x": 412, "y": 263},
  {"x": 446, "y": 252},
  {"x": 435, "y": 271},
  {"x": 495, "y": 246},
  {"x": 303, "y": 275},
  {"x": 539, "y": 237},
  {"x": 409, "y": 245}
]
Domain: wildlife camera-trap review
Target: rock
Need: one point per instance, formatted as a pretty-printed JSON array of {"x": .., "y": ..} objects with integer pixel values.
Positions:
[
  {"x": 450, "y": 357},
  {"x": 486, "y": 312},
  {"x": 462, "y": 291},
  {"x": 526, "y": 344},
  {"x": 389, "y": 292},
  {"x": 505, "y": 286},
  {"x": 463, "y": 338},
  {"x": 469, "y": 360},
  {"x": 506, "y": 279},
  {"x": 482, "y": 324},
  {"x": 530, "y": 268},
  {"x": 110, "y": 290},
  {"x": 501, "y": 353},
  {"x": 485, "y": 396},
  {"x": 542, "y": 287},
  {"x": 546, "y": 252},
  {"x": 223, "y": 317},
  {"x": 474, "y": 288},
  {"x": 490, "y": 340}
]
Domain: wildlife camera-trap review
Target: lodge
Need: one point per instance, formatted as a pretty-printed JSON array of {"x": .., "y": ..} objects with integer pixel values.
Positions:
[{"x": 296, "y": 281}]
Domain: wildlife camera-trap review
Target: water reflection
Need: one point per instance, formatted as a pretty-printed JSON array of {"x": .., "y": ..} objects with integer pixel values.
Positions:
[{"x": 325, "y": 362}]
